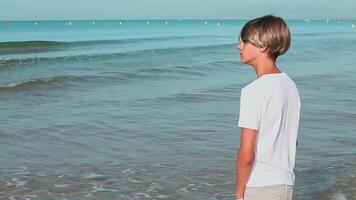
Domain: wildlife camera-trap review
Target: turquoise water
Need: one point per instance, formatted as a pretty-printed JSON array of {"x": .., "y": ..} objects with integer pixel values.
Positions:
[{"x": 148, "y": 109}]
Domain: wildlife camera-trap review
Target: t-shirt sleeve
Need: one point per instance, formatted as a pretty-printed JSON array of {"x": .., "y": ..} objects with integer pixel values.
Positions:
[{"x": 249, "y": 116}]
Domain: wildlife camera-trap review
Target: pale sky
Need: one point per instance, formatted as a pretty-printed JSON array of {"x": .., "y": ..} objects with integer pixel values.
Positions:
[{"x": 174, "y": 9}]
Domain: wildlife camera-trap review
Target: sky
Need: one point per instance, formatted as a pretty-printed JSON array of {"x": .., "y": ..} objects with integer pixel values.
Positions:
[{"x": 174, "y": 9}]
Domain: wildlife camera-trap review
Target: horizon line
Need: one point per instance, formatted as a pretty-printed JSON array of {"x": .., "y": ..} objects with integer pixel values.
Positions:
[{"x": 170, "y": 19}]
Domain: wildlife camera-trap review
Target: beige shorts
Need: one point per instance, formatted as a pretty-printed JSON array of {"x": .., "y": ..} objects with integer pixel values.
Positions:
[{"x": 273, "y": 192}]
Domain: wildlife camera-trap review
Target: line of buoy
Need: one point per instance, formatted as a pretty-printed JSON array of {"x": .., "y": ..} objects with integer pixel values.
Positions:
[
  {"x": 6, "y": 22},
  {"x": 166, "y": 22}
]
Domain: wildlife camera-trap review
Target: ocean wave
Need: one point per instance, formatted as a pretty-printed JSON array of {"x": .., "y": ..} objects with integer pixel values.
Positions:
[
  {"x": 28, "y": 46},
  {"x": 109, "y": 77},
  {"x": 177, "y": 70},
  {"x": 141, "y": 39},
  {"x": 317, "y": 33},
  {"x": 54, "y": 81},
  {"x": 128, "y": 54},
  {"x": 183, "y": 98},
  {"x": 79, "y": 80},
  {"x": 17, "y": 47},
  {"x": 31, "y": 83}
]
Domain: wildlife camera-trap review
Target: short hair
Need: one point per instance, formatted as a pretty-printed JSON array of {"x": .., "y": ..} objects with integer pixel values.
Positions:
[{"x": 268, "y": 32}]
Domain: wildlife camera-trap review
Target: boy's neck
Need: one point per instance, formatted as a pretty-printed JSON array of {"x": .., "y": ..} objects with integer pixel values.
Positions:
[{"x": 266, "y": 66}]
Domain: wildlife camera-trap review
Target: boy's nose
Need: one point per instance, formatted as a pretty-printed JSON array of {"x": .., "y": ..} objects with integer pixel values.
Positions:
[{"x": 239, "y": 46}]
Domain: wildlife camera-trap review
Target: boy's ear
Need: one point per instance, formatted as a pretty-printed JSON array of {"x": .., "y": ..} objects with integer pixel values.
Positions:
[{"x": 263, "y": 49}]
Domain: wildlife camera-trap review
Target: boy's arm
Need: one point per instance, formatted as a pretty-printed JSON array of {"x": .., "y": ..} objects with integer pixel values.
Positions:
[{"x": 245, "y": 160}]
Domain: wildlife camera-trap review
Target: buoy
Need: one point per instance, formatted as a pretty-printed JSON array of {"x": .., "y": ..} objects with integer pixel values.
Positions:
[{"x": 6, "y": 22}]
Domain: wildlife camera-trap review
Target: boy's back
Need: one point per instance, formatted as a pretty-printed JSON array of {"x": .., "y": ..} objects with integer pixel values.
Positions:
[{"x": 271, "y": 105}]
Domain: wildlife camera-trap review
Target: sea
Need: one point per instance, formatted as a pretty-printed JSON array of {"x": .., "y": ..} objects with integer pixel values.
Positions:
[{"x": 148, "y": 109}]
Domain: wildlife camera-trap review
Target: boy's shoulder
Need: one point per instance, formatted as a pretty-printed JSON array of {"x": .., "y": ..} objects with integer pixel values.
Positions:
[{"x": 264, "y": 81}]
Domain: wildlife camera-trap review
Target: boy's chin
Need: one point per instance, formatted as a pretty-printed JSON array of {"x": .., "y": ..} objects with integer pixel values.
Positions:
[{"x": 243, "y": 61}]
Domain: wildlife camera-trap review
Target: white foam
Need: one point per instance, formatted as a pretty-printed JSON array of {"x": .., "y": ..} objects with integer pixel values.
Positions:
[
  {"x": 161, "y": 196},
  {"x": 185, "y": 189},
  {"x": 20, "y": 172},
  {"x": 8, "y": 183},
  {"x": 208, "y": 184},
  {"x": 128, "y": 171},
  {"x": 143, "y": 194},
  {"x": 92, "y": 175},
  {"x": 11, "y": 84},
  {"x": 61, "y": 185},
  {"x": 133, "y": 180},
  {"x": 29, "y": 196},
  {"x": 16, "y": 182},
  {"x": 88, "y": 195},
  {"x": 100, "y": 188},
  {"x": 339, "y": 196},
  {"x": 153, "y": 187}
]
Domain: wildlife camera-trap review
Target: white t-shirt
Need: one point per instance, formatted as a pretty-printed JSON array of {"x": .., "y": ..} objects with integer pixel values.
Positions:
[{"x": 271, "y": 105}]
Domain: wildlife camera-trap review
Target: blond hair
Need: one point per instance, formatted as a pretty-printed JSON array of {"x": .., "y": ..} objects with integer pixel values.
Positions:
[{"x": 268, "y": 32}]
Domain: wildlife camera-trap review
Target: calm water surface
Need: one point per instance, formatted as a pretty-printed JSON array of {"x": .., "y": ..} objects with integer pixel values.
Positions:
[{"x": 143, "y": 110}]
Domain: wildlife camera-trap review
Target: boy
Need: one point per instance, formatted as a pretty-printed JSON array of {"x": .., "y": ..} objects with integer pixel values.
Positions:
[{"x": 269, "y": 114}]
